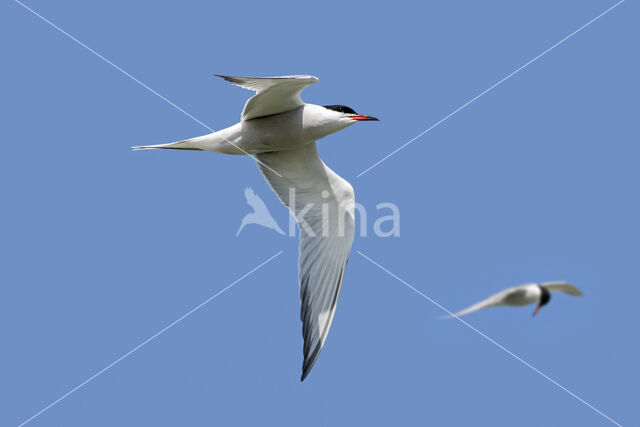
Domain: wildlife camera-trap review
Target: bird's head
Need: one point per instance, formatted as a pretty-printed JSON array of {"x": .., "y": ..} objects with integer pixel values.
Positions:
[
  {"x": 545, "y": 297},
  {"x": 348, "y": 115}
]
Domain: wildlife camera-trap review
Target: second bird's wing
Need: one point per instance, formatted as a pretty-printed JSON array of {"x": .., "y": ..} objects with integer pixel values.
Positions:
[
  {"x": 323, "y": 204},
  {"x": 565, "y": 287},
  {"x": 274, "y": 95},
  {"x": 492, "y": 301}
]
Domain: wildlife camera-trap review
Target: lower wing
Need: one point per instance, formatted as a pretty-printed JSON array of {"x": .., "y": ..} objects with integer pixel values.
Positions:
[{"x": 323, "y": 204}]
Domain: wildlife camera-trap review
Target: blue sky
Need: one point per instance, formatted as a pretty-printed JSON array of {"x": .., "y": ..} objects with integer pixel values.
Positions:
[{"x": 103, "y": 247}]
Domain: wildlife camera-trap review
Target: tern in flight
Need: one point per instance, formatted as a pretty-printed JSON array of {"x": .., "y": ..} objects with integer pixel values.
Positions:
[
  {"x": 280, "y": 132},
  {"x": 539, "y": 293}
]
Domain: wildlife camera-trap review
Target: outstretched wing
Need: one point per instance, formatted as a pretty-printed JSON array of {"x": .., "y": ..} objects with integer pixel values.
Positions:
[
  {"x": 493, "y": 301},
  {"x": 565, "y": 287},
  {"x": 323, "y": 204},
  {"x": 274, "y": 94}
]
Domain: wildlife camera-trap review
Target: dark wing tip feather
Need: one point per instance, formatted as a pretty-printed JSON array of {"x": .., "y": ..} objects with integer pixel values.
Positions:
[
  {"x": 236, "y": 79},
  {"x": 230, "y": 79},
  {"x": 309, "y": 361},
  {"x": 310, "y": 357}
]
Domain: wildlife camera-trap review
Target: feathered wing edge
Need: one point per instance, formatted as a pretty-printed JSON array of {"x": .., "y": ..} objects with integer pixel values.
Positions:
[
  {"x": 320, "y": 284},
  {"x": 323, "y": 258}
]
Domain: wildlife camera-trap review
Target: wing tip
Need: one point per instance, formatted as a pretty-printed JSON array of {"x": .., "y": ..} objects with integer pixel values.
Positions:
[
  {"x": 305, "y": 370},
  {"x": 309, "y": 361},
  {"x": 573, "y": 289},
  {"x": 231, "y": 79},
  {"x": 447, "y": 317},
  {"x": 235, "y": 79}
]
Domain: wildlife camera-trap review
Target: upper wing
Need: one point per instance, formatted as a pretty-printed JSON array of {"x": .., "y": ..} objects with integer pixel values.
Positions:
[
  {"x": 274, "y": 94},
  {"x": 492, "y": 301},
  {"x": 323, "y": 204},
  {"x": 565, "y": 287}
]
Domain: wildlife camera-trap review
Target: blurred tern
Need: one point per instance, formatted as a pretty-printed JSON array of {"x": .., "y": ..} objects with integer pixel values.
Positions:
[
  {"x": 280, "y": 132},
  {"x": 529, "y": 293}
]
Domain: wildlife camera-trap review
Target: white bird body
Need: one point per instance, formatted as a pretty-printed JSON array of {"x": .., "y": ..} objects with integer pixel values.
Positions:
[
  {"x": 522, "y": 295},
  {"x": 284, "y": 131},
  {"x": 526, "y": 294},
  {"x": 280, "y": 131}
]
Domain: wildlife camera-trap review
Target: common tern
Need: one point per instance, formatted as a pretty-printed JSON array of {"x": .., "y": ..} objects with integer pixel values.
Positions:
[
  {"x": 539, "y": 293},
  {"x": 280, "y": 131}
]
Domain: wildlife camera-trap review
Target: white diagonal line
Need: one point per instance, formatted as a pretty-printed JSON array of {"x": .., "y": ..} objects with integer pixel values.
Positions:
[
  {"x": 491, "y": 340},
  {"x": 112, "y": 64},
  {"x": 138, "y": 81},
  {"x": 490, "y": 88},
  {"x": 124, "y": 356}
]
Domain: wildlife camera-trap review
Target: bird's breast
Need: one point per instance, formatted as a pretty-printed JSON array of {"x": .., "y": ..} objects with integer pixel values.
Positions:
[{"x": 274, "y": 133}]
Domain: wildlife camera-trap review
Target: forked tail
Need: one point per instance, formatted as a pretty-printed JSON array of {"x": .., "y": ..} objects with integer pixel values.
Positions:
[{"x": 217, "y": 142}]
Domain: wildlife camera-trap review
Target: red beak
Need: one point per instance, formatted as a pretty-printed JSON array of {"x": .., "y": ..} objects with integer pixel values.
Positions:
[
  {"x": 536, "y": 310},
  {"x": 363, "y": 118}
]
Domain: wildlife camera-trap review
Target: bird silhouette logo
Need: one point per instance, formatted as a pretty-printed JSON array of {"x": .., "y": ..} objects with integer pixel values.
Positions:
[{"x": 260, "y": 214}]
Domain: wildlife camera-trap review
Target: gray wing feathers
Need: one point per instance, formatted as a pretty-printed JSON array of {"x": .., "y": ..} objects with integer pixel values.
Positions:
[
  {"x": 320, "y": 283},
  {"x": 493, "y": 301},
  {"x": 565, "y": 287},
  {"x": 258, "y": 84},
  {"x": 274, "y": 95},
  {"x": 324, "y": 247}
]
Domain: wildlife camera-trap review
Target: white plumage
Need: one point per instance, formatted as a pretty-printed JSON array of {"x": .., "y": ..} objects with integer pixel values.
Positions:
[
  {"x": 528, "y": 293},
  {"x": 280, "y": 131}
]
